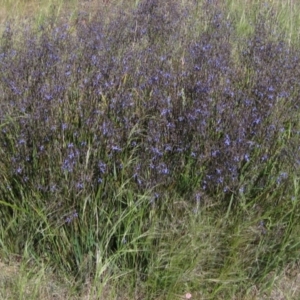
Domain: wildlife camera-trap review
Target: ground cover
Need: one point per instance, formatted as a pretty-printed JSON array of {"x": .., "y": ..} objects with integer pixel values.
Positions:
[{"x": 149, "y": 150}]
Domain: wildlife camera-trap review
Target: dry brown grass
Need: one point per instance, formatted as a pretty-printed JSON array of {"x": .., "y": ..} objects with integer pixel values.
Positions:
[{"x": 45, "y": 285}]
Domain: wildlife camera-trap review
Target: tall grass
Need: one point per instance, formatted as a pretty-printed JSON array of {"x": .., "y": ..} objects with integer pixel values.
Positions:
[{"x": 150, "y": 151}]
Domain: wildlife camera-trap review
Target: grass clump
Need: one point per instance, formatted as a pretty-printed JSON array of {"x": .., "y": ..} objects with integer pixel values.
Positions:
[{"x": 150, "y": 154}]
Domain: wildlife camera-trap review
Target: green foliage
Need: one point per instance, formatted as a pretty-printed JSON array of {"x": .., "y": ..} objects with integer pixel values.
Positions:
[{"x": 150, "y": 152}]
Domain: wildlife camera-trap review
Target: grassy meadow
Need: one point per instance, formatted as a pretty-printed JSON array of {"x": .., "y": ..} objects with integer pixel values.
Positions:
[{"x": 149, "y": 149}]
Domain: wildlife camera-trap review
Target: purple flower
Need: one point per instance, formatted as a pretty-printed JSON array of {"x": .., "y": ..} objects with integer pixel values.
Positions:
[
  {"x": 215, "y": 153},
  {"x": 71, "y": 155},
  {"x": 53, "y": 188},
  {"x": 68, "y": 165},
  {"x": 271, "y": 89},
  {"x": 168, "y": 148},
  {"x": 227, "y": 140},
  {"x": 19, "y": 170},
  {"x": 138, "y": 180},
  {"x": 156, "y": 151},
  {"x": 220, "y": 180},
  {"x": 193, "y": 154},
  {"x": 163, "y": 169},
  {"x": 165, "y": 111},
  {"x": 116, "y": 148},
  {"x": 48, "y": 97},
  {"x": 247, "y": 157},
  {"x": 70, "y": 218},
  {"x": 282, "y": 176},
  {"x": 79, "y": 185},
  {"x": 102, "y": 167}
]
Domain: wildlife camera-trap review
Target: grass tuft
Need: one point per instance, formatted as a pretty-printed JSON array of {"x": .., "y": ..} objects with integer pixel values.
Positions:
[{"x": 149, "y": 150}]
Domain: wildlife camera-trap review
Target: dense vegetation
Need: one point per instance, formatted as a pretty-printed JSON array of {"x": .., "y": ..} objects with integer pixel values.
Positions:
[{"x": 155, "y": 152}]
